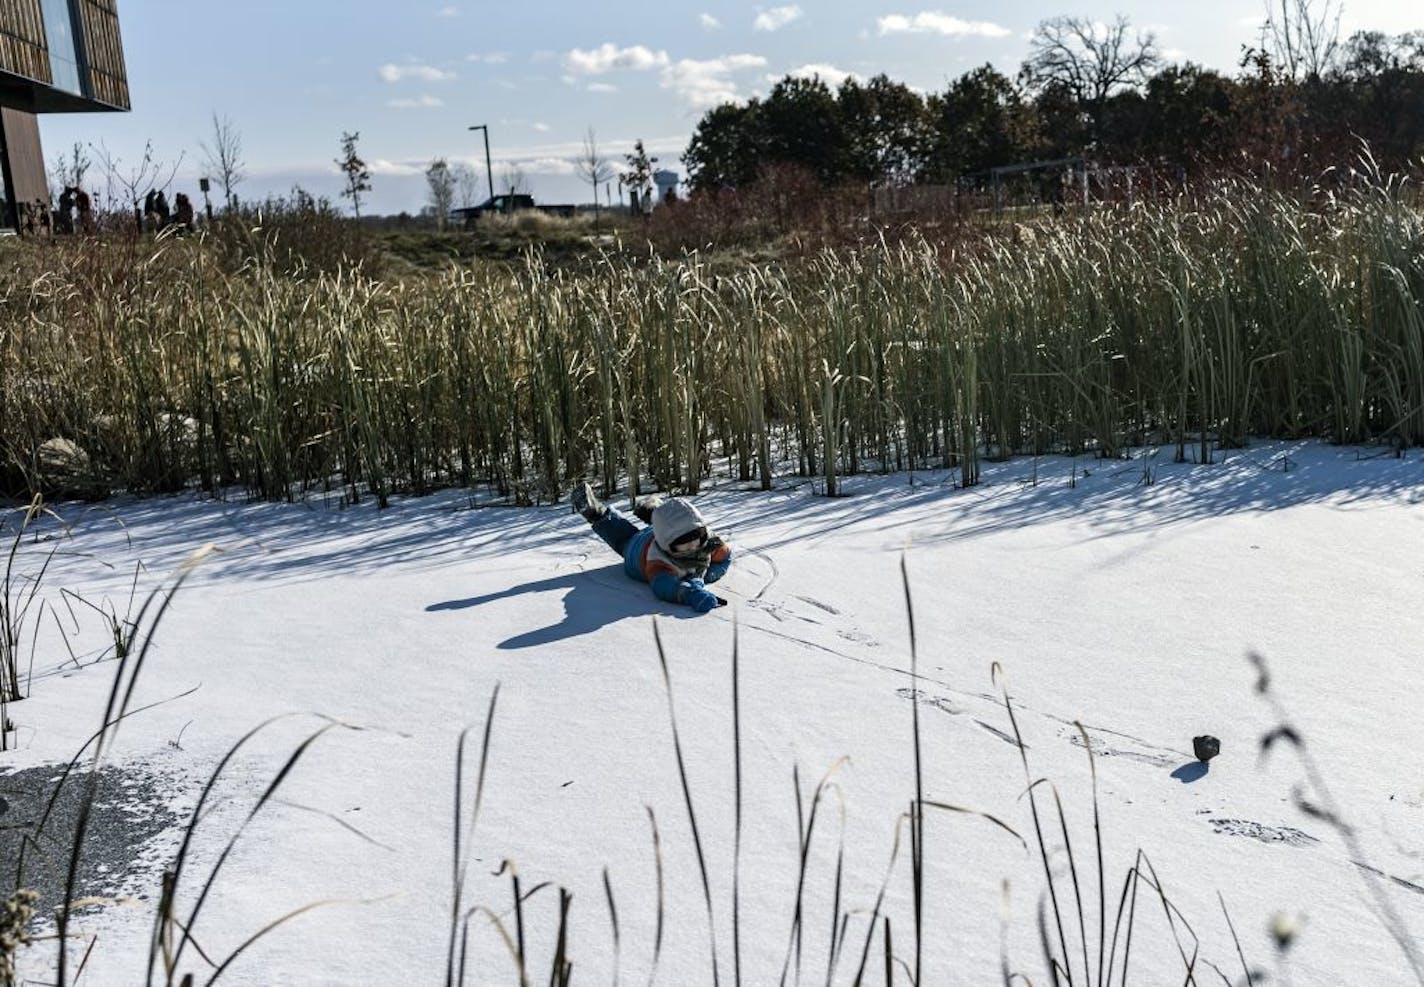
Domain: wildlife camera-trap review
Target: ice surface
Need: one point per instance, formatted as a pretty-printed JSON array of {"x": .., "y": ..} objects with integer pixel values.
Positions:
[{"x": 1127, "y": 607}]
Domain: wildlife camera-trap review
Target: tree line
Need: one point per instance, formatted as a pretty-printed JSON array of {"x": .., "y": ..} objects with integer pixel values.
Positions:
[{"x": 1301, "y": 98}]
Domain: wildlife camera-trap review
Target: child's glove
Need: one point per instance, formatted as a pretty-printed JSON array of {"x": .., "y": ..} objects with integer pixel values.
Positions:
[
  {"x": 697, "y": 597},
  {"x": 705, "y": 601}
]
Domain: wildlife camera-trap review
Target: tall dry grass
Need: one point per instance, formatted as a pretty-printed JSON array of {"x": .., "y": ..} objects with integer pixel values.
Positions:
[{"x": 1196, "y": 324}]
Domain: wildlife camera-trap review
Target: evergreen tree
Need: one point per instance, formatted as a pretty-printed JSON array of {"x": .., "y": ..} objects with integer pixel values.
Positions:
[{"x": 358, "y": 178}]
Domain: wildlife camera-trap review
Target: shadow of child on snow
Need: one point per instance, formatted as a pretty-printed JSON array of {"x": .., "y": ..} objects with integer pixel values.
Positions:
[{"x": 592, "y": 601}]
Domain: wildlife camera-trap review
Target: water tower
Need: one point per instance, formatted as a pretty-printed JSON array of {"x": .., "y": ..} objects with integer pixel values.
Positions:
[{"x": 666, "y": 181}]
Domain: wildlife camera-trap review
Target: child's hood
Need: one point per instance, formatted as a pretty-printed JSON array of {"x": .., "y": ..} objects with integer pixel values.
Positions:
[{"x": 672, "y": 519}]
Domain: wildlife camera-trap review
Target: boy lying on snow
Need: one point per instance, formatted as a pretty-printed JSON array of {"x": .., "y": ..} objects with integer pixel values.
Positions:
[{"x": 677, "y": 556}]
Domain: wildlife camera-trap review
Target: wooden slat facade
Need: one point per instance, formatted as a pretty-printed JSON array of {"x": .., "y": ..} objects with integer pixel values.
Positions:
[
  {"x": 104, "y": 52},
  {"x": 22, "y": 40},
  {"x": 27, "y": 87},
  {"x": 24, "y": 50}
]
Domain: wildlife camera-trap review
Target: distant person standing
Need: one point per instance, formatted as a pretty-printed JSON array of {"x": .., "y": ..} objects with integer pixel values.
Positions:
[
  {"x": 182, "y": 212},
  {"x": 86, "y": 210},
  {"x": 160, "y": 209},
  {"x": 66, "y": 210},
  {"x": 149, "y": 213}
]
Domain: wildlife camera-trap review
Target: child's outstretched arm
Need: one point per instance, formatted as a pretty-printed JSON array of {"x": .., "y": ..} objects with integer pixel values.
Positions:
[
  {"x": 721, "y": 559},
  {"x": 688, "y": 592}
]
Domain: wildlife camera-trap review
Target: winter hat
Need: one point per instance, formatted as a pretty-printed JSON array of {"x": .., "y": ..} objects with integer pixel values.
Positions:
[{"x": 672, "y": 519}]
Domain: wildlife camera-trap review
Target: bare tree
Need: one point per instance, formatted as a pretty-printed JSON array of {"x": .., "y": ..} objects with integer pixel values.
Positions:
[
  {"x": 1303, "y": 36},
  {"x": 513, "y": 180},
  {"x": 130, "y": 183},
  {"x": 358, "y": 178},
  {"x": 1088, "y": 59},
  {"x": 467, "y": 184},
  {"x": 223, "y": 158},
  {"x": 441, "y": 195},
  {"x": 593, "y": 167},
  {"x": 68, "y": 171}
]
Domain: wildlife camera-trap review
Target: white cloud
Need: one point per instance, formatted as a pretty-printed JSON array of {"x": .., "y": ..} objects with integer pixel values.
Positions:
[
  {"x": 703, "y": 84},
  {"x": 541, "y": 127},
  {"x": 708, "y": 22},
  {"x": 422, "y": 102},
  {"x": 829, "y": 74},
  {"x": 608, "y": 57},
  {"x": 383, "y": 167},
  {"x": 1174, "y": 54},
  {"x": 601, "y": 87},
  {"x": 488, "y": 57},
  {"x": 934, "y": 22},
  {"x": 542, "y": 166},
  {"x": 448, "y": 11},
  {"x": 425, "y": 73},
  {"x": 776, "y": 17}
]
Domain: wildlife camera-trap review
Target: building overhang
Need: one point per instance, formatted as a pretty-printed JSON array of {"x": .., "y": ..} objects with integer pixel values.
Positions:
[{"x": 38, "y": 97}]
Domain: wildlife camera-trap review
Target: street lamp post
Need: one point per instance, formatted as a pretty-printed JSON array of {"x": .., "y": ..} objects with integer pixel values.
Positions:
[{"x": 489, "y": 172}]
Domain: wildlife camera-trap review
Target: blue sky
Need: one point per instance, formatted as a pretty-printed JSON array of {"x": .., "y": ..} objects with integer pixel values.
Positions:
[{"x": 411, "y": 77}]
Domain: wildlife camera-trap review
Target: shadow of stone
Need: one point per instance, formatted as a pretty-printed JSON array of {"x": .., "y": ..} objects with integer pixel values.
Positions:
[{"x": 1191, "y": 771}]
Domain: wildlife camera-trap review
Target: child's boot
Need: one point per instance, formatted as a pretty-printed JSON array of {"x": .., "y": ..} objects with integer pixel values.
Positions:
[
  {"x": 643, "y": 507},
  {"x": 586, "y": 502}
]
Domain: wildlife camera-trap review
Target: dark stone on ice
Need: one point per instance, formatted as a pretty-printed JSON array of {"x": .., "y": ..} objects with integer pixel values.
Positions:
[{"x": 1206, "y": 747}]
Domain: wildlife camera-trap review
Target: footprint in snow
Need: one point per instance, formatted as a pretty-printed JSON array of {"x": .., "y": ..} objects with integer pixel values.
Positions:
[
  {"x": 1266, "y": 834},
  {"x": 940, "y": 703}
]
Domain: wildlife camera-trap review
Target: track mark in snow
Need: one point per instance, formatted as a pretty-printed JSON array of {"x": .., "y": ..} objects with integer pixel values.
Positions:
[
  {"x": 943, "y": 704},
  {"x": 940, "y": 703},
  {"x": 830, "y": 651},
  {"x": 859, "y": 637},
  {"x": 1101, "y": 748},
  {"x": 1407, "y": 885},
  {"x": 768, "y": 608},
  {"x": 781, "y": 612},
  {"x": 1266, "y": 834},
  {"x": 578, "y": 564},
  {"x": 819, "y": 605},
  {"x": 775, "y": 572}
]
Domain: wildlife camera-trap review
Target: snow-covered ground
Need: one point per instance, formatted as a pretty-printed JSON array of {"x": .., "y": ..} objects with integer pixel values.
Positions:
[{"x": 1128, "y": 607}]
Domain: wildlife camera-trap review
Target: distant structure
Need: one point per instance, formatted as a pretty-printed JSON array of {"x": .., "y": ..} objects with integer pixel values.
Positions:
[
  {"x": 56, "y": 56},
  {"x": 666, "y": 181}
]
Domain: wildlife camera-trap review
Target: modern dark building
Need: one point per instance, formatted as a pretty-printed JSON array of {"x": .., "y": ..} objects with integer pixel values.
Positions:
[{"x": 56, "y": 56}]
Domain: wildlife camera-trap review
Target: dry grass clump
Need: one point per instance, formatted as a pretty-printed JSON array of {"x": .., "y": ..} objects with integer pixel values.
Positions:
[{"x": 1199, "y": 324}]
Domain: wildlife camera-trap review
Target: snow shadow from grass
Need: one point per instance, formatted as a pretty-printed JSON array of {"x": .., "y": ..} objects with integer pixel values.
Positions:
[
  {"x": 1106, "y": 494},
  {"x": 289, "y": 542},
  {"x": 589, "y": 605}
]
